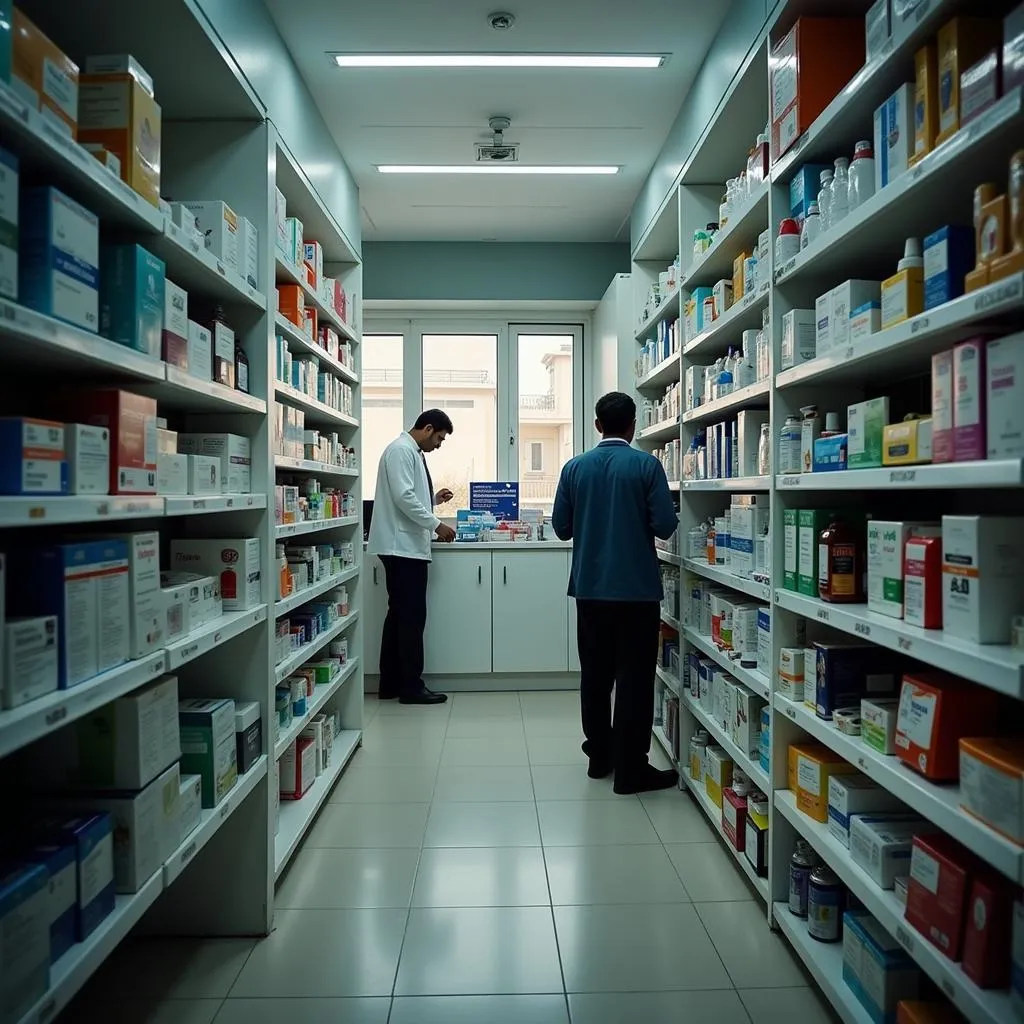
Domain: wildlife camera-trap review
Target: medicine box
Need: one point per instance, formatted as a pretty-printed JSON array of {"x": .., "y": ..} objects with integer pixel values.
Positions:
[
  {"x": 803, "y": 189},
  {"x": 61, "y": 863},
  {"x": 32, "y": 457},
  {"x": 922, "y": 585},
  {"x": 962, "y": 42},
  {"x": 866, "y": 422},
  {"x": 190, "y": 805},
  {"x": 823, "y": 324},
  {"x": 875, "y": 968},
  {"x": 132, "y": 298},
  {"x": 791, "y": 548},
  {"x": 935, "y": 711},
  {"x": 878, "y": 716},
  {"x": 59, "y": 260},
  {"x": 87, "y": 453},
  {"x": 24, "y": 938},
  {"x": 1004, "y": 361},
  {"x": 937, "y": 893},
  {"x": 848, "y": 296},
  {"x": 208, "y": 745},
  {"x": 948, "y": 258},
  {"x": 200, "y": 351},
  {"x": 894, "y": 136},
  {"x": 30, "y": 663},
  {"x": 880, "y": 845},
  {"x": 248, "y": 734},
  {"x": 926, "y": 100},
  {"x": 983, "y": 561},
  {"x": 280, "y": 221},
  {"x": 249, "y": 252},
  {"x": 219, "y": 226},
  {"x": 174, "y": 335},
  {"x": 131, "y": 420},
  {"x": 148, "y": 614},
  {"x": 877, "y": 29},
  {"x": 992, "y": 783},
  {"x": 849, "y": 795},
  {"x": 176, "y": 611},
  {"x": 810, "y": 767},
  {"x": 979, "y": 87},
  {"x": 313, "y": 257},
  {"x": 988, "y": 928},
  {"x": 204, "y": 599},
  {"x": 171, "y": 474},
  {"x": 798, "y": 337},
  {"x": 810, "y": 523},
  {"x": 8, "y": 220},
  {"x": 907, "y": 443},
  {"x": 236, "y": 563},
  {"x": 204, "y": 474},
  {"x": 42, "y": 74},
  {"x": 847, "y": 672},
  {"x": 865, "y": 320},
  {"x": 119, "y": 64},
  {"x": 942, "y": 407},
  {"x": 717, "y": 773},
  {"x": 885, "y": 561},
  {"x": 792, "y": 665},
  {"x": 298, "y": 769},
  {"x": 235, "y": 453},
  {"x": 223, "y": 354},
  {"x": 1013, "y": 49}
]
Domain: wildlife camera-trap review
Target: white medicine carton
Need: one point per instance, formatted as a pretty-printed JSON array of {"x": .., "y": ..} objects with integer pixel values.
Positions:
[
  {"x": 1005, "y": 397},
  {"x": 886, "y": 544},
  {"x": 219, "y": 225},
  {"x": 87, "y": 452},
  {"x": 146, "y": 610},
  {"x": 236, "y": 563}
]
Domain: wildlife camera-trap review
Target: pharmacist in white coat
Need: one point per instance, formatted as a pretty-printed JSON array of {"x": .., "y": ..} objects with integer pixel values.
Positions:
[{"x": 401, "y": 531}]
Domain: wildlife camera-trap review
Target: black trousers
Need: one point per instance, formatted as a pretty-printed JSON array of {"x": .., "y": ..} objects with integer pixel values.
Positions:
[
  {"x": 401, "y": 643},
  {"x": 618, "y": 645}
]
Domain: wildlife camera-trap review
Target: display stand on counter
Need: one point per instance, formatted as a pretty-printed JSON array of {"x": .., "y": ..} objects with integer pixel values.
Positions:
[
  {"x": 842, "y": 619},
  {"x": 149, "y": 590}
]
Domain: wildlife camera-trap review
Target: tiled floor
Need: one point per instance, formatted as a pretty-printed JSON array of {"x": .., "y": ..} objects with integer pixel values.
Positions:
[{"x": 465, "y": 870}]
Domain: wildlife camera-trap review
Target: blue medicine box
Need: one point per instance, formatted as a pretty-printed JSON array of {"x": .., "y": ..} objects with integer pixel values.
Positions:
[
  {"x": 59, "y": 257},
  {"x": 830, "y": 453},
  {"x": 804, "y": 188},
  {"x": 948, "y": 258},
  {"x": 32, "y": 457},
  {"x": 698, "y": 295},
  {"x": 61, "y": 863},
  {"x": 25, "y": 913},
  {"x": 132, "y": 289}
]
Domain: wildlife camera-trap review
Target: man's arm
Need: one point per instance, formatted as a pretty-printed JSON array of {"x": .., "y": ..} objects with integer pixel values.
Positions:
[
  {"x": 661, "y": 510},
  {"x": 400, "y": 467},
  {"x": 562, "y": 512}
]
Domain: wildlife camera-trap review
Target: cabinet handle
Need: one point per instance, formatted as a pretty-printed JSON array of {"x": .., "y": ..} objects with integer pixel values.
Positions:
[
  {"x": 479, "y": 574},
  {"x": 504, "y": 574}
]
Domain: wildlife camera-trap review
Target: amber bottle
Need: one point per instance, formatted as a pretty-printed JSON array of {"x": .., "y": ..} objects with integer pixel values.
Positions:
[{"x": 840, "y": 563}]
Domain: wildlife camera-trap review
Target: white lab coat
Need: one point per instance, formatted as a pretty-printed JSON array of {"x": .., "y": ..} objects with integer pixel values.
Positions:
[{"x": 403, "y": 522}]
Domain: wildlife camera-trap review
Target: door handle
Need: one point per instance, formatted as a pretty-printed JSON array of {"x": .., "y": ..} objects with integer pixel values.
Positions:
[
  {"x": 504, "y": 574},
  {"x": 479, "y": 574}
]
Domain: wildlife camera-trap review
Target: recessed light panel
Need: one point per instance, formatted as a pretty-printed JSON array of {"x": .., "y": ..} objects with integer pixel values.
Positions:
[
  {"x": 497, "y": 60},
  {"x": 495, "y": 169}
]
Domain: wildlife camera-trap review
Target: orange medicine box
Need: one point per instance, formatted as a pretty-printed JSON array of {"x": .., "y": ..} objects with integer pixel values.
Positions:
[
  {"x": 811, "y": 765},
  {"x": 118, "y": 113},
  {"x": 290, "y": 303},
  {"x": 43, "y": 74},
  {"x": 935, "y": 711},
  {"x": 809, "y": 65},
  {"x": 913, "y": 1011},
  {"x": 992, "y": 783},
  {"x": 937, "y": 892}
]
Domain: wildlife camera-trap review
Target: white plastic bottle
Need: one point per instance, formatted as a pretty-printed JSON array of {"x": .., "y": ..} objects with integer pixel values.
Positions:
[
  {"x": 825, "y": 200},
  {"x": 862, "y": 175},
  {"x": 840, "y": 192},
  {"x": 812, "y": 226},
  {"x": 790, "y": 437}
]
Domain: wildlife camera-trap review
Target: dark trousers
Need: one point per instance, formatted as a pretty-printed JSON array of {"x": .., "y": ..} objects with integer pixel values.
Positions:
[
  {"x": 618, "y": 645},
  {"x": 401, "y": 643}
]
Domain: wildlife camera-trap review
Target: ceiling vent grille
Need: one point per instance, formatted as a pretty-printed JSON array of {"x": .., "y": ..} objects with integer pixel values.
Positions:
[{"x": 498, "y": 150}]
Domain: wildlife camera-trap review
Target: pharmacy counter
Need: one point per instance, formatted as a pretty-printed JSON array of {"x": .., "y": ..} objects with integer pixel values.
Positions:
[{"x": 491, "y": 545}]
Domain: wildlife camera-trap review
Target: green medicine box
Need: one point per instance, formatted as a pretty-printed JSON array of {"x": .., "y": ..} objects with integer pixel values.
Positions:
[
  {"x": 789, "y": 551},
  {"x": 865, "y": 427},
  {"x": 208, "y": 746},
  {"x": 810, "y": 523}
]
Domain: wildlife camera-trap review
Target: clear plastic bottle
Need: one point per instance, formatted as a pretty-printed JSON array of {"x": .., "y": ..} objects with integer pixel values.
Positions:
[
  {"x": 812, "y": 226},
  {"x": 840, "y": 192},
  {"x": 764, "y": 451},
  {"x": 825, "y": 200},
  {"x": 862, "y": 175}
]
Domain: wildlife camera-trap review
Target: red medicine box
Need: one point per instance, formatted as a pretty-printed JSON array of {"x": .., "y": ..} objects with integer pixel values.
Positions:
[
  {"x": 989, "y": 929},
  {"x": 734, "y": 819},
  {"x": 937, "y": 892},
  {"x": 131, "y": 420}
]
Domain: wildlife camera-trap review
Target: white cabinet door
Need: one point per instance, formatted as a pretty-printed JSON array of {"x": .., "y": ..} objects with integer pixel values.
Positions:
[
  {"x": 531, "y": 614},
  {"x": 374, "y": 610},
  {"x": 574, "y": 651},
  {"x": 458, "y": 638}
]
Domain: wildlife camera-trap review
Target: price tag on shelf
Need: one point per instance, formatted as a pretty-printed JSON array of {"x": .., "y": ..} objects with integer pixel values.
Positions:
[
  {"x": 221, "y": 269},
  {"x": 902, "y": 476},
  {"x": 791, "y": 481},
  {"x": 992, "y": 300},
  {"x": 199, "y": 503},
  {"x": 920, "y": 323},
  {"x": 862, "y": 628},
  {"x": 905, "y": 939},
  {"x": 56, "y": 716},
  {"x": 189, "y": 652},
  {"x": 13, "y": 104},
  {"x": 188, "y": 853},
  {"x": 904, "y": 643},
  {"x": 225, "y": 808},
  {"x": 786, "y": 268},
  {"x": 791, "y": 713},
  {"x": 823, "y": 614}
]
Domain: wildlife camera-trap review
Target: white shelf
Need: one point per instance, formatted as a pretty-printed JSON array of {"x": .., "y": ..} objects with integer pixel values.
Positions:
[
  {"x": 751, "y": 768},
  {"x": 306, "y": 346},
  {"x": 298, "y": 815},
  {"x": 669, "y": 621},
  {"x": 307, "y": 594},
  {"x": 211, "y": 819},
  {"x": 999, "y": 667},
  {"x": 668, "y": 307},
  {"x": 739, "y": 235},
  {"x": 299, "y": 658},
  {"x": 752, "y": 395},
  {"x": 671, "y": 681},
  {"x": 661, "y": 736},
  {"x": 180, "y": 390},
  {"x": 69, "y": 509},
  {"x": 668, "y": 557},
  {"x": 755, "y": 681},
  {"x": 316, "y": 411},
  {"x": 908, "y": 346},
  {"x": 307, "y": 466},
  {"x": 667, "y": 430},
  {"x": 187, "y": 505},
  {"x": 730, "y": 484},
  {"x": 203, "y": 640},
  {"x": 944, "y": 476},
  {"x": 287, "y": 274},
  {"x": 938, "y": 803},
  {"x": 668, "y": 371},
  {"x": 321, "y": 695},
  {"x": 824, "y": 961},
  {"x": 980, "y": 1006},
  {"x": 30, "y": 722},
  {"x": 714, "y": 814},
  {"x": 762, "y": 591},
  {"x": 313, "y": 526},
  {"x": 745, "y": 315}
]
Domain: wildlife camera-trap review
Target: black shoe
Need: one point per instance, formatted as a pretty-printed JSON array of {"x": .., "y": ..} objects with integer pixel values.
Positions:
[
  {"x": 423, "y": 696},
  {"x": 648, "y": 781},
  {"x": 599, "y": 769}
]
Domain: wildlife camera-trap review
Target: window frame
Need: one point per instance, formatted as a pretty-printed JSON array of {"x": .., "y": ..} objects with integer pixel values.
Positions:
[{"x": 536, "y": 447}]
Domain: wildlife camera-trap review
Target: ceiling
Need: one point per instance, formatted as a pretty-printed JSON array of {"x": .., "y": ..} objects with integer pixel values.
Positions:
[{"x": 430, "y": 116}]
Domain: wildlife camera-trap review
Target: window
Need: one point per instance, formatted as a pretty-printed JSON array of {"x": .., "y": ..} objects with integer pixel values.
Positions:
[
  {"x": 536, "y": 457},
  {"x": 383, "y": 419},
  {"x": 460, "y": 374}
]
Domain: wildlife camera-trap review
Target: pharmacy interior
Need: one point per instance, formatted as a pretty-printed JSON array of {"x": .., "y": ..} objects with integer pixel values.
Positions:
[{"x": 819, "y": 314}]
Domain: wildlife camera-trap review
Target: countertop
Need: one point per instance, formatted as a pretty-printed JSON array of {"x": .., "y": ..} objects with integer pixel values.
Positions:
[{"x": 489, "y": 545}]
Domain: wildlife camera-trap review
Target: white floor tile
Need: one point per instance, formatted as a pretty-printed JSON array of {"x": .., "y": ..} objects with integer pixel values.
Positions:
[
  {"x": 677, "y": 819},
  {"x": 504, "y": 951},
  {"x": 477, "y": 1009},
  {"x": 555, "y": 750},
  {"x": 473, "y": 726},
  {"x": 325, "y": 954},
  {"x": 329, "y": 878},
  {"x": 541, "y": 702},
  {"x": 304, "y": 1011},
  {"x": 480, "y": 783},
  {"x": 498, "y": 705},
  {"x": 383, "y": 784},
  {"x": 424, "y": 712},
  {"x": 369, "y": 826},
  {"x": 584, "y": 875},
  {"x": 806, "y": 1005},
  {"x": 482, "y": 824},
  {"x": 481, "y": 877},
  {"x": 420, "y": 750},
  {"x": 721, "y": 1007},
  {"x": 565, "y": 724},
  {"x": 497, "y": 750},
  {"x": 708, "y": 873},
  {"x": 621, "y": 822},
  {"x": 92, "y": 1007},
  {"x": 645, "y": 948},
  {"x": 402, "y": 726},
  {"x": 570, "y": 782}
]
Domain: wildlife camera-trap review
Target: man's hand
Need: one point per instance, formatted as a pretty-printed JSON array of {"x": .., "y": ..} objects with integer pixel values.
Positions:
[
  {"x": 445, "y": 534},
  {"x": 443, "y": 496}
]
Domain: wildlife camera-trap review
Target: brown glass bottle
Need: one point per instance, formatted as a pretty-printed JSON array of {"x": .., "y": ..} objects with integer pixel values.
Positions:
[{"x": 840, "y": 569}]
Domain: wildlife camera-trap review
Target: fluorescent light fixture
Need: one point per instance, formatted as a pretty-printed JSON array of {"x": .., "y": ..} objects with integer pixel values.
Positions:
[
  {"x": 495, "y": 169},
  {"x": 497, "y": 60}
]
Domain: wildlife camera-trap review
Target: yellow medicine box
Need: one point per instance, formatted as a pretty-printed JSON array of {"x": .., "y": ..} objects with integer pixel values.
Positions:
[
  {"x": 737, "y": 276},
  {"x": 810, "y": 766},
  {"x": 717, "y": 773},
  {"x": 926, "y": 101},
  {"x": 962, "y": 42},
  {"x": 907, "y": 443}
]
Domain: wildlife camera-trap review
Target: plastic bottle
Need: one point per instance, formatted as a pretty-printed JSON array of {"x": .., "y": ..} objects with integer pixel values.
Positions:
[
  {"x": 789, "y": 446},
  {"x": 698, "y": 748},
  {"x": 831, "y": 425},
  {"x": 701, "y": 243},
  {"x": 911, "y": 255},
  {"x": 812, "y": 226},
  {"x": 840, "y": 192},
  {"x": 862, "y": 175},
  {"x": 764, "y": 451},
  {"x": 801, "y": 864},
  {"x": 825, "y": 199},
  {"x": 787, "y": 242}
]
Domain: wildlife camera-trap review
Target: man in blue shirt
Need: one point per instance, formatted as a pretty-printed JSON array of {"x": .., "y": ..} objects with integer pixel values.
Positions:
[{"x": 612, "y": 502}]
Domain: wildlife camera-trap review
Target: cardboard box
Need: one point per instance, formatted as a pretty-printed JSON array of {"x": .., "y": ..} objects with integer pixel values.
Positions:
[
  {"x": 969, "y": 380},
  {"x": 203, "y": 596},
  {"x": 190, "y": 805},
  {"x": 866, "y": 423},
  {"x": 235, "y": 453},
  {"x": 60, "y": 862},
  {"x": 926, "y": 100},
  {"x": 220, "y": 228},
  {"x": 791, "y": 549},
  {"x": 894, "y": 137},
  {"x": 845, "y": 673},
  {"x": 798, "y": 337},
  {"x": 119, "y": 113},
  {"x": 937, "y": 893},
  {"x": 810, "y": 523},
  {"x": 878, "y": 717},
  {"x": 1004, "y": 361},
  {"x": 147, "y": 632},
  {"x": 922, "y": 585},
  {"x": 236, "y": 563},
  {"x": 280, "y": 221},
  {"x": 208, "y": 745},
  {"x": 717, "y": 773},
  {"x": 43, "y": 75},
  {"x": 992, "y": 783},
  {"x": 87, "y": 453},
  {"x": 32, "y": 457},
  {"x": 942, "y": 407},
  {"x": 810, "y": 767},
  {"x": 204, "y": 474},
  {"x": 298, "y": 769},
  {"x": 132, "y": 298},
  {"x": 171, "y": 474},
  {"x": 248, "y": 734},
  {"x": 223, "y": 354},
  {"x": 119, "y": 64},
  {"x": 880, "y": 845},
  {"x": 877, "y": 30},
  {"x": 174, "y": 335},
  {"x": 30, "y": 662},
  {"x": 848, "y": 296},
  {"x": 8, "y": 218},
  {"x": 982, "y": 565},
  {"x": 885, "y": 562},
  {"x": 803, "y": 189},
  {"x": 935, "y": 711},
  {"x": 850, "y": 795},
  {"x": 177, "y": 612},
  {"x": 907, "y": 443},
  {"x": 249, "y": 252},
  {"x": 962, "y": 42},
  {"x": 25, "y": 928},
  {"x": 808, "y": 67},
  {"x": 988, "y": 930},
  {"x": 875, "y": 968},
  {"x": 56, "y": 232},
  {"x": 823, "y": 324},
  {"x": 948, "y": 258}
]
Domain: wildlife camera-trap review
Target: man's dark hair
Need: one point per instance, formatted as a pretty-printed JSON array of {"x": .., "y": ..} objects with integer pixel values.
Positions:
[
  {"x": 616, "y": 412},
  {"x": 435, "y": 418}
]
